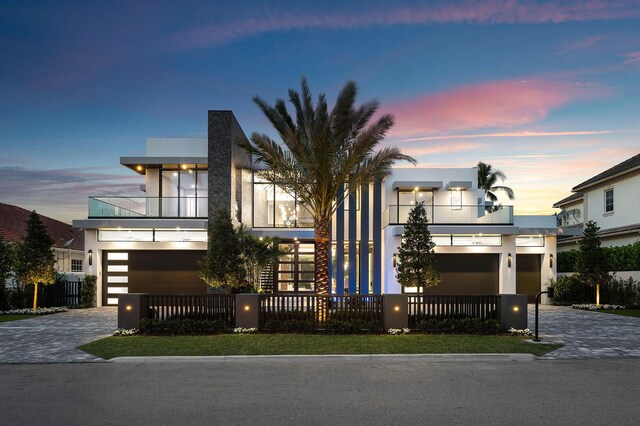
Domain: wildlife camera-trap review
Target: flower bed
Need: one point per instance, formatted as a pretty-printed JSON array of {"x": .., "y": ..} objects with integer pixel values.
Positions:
[
  {"x": 39, "y": 311},
  {"x": 594, "y": 307}
]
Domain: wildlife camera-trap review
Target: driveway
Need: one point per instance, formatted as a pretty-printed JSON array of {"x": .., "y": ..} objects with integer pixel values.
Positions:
[
  {"x": 54, "y": 338},
  {"x": 587, "y": 334}
]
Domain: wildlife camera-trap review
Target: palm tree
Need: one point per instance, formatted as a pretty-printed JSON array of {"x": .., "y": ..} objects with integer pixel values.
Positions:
[
  {"x": 487, "y": 179},
  {"x": 323, "y": 150}
]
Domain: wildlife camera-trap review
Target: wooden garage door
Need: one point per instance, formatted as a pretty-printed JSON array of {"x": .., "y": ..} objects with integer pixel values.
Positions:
[
  {"x": 528, "y": 275},
  {"x": 467, "y": 274},
  {"x": 151, "y": 271}
]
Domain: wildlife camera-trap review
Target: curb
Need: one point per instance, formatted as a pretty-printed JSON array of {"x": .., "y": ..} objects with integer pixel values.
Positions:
[{"x": 519, "y": 357}]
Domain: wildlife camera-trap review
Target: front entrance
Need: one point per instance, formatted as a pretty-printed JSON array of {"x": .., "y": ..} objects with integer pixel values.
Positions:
[{"x": 295, "y": 271}]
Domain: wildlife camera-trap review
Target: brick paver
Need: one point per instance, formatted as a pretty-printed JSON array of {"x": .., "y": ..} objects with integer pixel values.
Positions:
[
  {"x": 587, "y": 334},
  {"x": 54, "y": 338}
]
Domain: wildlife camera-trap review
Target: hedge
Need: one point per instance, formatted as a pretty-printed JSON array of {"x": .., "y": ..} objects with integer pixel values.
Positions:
[{"x": 620, "y": 258}]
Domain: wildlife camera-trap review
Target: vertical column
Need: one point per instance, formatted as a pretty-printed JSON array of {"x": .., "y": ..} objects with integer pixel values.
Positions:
[
  {"x": 364, "y": 239},
  {"x": 507, "y": 283},
  {"x": 353, "y": 236},
  {"x": 377, "y": 236},
  {"x": 340, "y": 244},
  {"x": 330, "y": 259}
]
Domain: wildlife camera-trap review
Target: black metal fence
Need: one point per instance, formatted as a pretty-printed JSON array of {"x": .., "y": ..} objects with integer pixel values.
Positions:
[
  {"x": 211, "y": 307},
  {"x": 61, "y": 293},
  {"x": 427, "y": 307}
]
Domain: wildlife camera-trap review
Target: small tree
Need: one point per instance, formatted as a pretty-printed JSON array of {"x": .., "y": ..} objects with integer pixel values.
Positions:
[
  {"x": 416, "y": 255},
  {"x": 88, "y": 293},
  {"x": 256, "y": 254},
  {"x": 591, "y": 262},
  {"x": 6, "y": 268},
  {"x": 34, "y": 258},
  {"x": 222, "y": 265}
]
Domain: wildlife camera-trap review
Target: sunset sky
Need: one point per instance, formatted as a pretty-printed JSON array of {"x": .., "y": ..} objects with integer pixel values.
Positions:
[{"x": 548, "y": 92}]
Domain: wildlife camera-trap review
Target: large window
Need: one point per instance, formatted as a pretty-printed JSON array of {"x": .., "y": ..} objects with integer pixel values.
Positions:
[
  {"x": 273, "y": 207},
  {"x": 407, "y": 199},
  {"x": 184, "y": 192},
  {"x": 608, "y": 200}
]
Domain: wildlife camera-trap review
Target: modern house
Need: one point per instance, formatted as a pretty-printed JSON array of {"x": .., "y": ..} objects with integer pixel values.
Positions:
[
  {"x": 610, "y": 198},
  {"x": 151, "y": 242},
  {"x": 68, "y": 246}
]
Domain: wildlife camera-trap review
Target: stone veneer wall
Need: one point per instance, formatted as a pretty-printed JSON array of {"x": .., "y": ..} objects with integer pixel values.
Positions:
[{"x": 225, "y": 160}]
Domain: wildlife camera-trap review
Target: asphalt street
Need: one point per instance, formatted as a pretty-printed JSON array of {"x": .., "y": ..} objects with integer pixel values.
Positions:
[{"x": 331, "y": 391}]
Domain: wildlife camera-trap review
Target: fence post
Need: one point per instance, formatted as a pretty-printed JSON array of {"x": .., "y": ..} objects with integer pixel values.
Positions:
[
  {"x": 248, "y": 310},
  {"x": 513, "y": 311},
  {"x": 132, "y": 308},
  {"x": 395, "y": 311}
]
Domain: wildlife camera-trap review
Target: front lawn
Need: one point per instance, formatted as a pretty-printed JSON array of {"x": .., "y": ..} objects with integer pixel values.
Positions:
[
  {"x": 309, "y": 344},
  {"x": 624, "y": 312},
  {"x": 14, "y": 317}
]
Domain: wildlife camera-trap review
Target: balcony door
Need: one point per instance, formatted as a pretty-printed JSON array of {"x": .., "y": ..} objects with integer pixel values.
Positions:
[
  {"x": 407, "y": 200},
  {"x": 184, "y": 193}
]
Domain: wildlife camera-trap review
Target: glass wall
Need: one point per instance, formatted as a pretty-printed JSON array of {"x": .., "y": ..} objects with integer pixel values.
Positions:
[
  {"x": 273, "y": 207},
  {"x": 296, "y": 267},
  {"x": 408, "y": 199},
  {"x": 184, "y": 193}
]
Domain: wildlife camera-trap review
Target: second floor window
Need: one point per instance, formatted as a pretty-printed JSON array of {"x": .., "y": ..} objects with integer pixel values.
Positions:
[{"x": 608, "y": 201}]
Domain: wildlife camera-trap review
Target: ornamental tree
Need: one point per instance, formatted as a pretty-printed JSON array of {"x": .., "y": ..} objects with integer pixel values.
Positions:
[
  {"x": 256, "y": 254},
  {"x": 222, "y": 265},
  {"x": 591, "y": 262},
  {"x": 34, "y": 257},
  {"x": 416, "y": 254},
  {"x": 6, "y": 268}
]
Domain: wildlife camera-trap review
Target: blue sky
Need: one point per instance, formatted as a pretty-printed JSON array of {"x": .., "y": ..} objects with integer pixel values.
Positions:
[{"x": 548, "y": 92}]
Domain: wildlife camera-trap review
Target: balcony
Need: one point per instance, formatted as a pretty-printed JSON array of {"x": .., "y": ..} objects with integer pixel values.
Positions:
[
  {"x": 148, "y": 207},
  {"x": 448, "y": 214}
]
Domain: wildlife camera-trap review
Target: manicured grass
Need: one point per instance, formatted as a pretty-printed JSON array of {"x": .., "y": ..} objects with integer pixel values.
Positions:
[
  {"x": 5, "y": 318},
  {"x": 308, "y": 344},
  {"x": 624, "y": 312}
]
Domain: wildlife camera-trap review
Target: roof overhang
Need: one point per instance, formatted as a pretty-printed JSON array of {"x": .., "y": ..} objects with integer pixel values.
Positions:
[
  {"x": 416, "y": 184},
  {"x": 140, "y": 164},
  {"x": 140, "y": 223},
  {"x": 583, "y": 186},
  {"x": 458, "y": 185}
]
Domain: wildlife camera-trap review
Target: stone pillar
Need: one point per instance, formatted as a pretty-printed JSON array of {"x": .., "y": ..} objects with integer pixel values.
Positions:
[
  {"x": 513, "y": 311},
  {"x": 248, "y": 310},
  {"x": 132, "y": 307},
  {"x": 395, "y": 313}
]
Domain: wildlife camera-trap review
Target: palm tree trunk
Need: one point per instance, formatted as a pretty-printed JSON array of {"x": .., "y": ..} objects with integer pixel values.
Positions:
[{"x": 322, "y": 238}]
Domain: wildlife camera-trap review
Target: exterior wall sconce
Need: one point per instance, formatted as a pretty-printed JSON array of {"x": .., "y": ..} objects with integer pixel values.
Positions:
[
  {"x": 551, "y": 261},
  {"x": 395, "y": 260},
  {"x": 90, "y": 257},
  {"x": 509, "y": 260}
]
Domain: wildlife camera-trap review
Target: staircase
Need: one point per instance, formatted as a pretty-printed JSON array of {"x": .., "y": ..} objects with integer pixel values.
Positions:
[{"x": 266, "y": 279}]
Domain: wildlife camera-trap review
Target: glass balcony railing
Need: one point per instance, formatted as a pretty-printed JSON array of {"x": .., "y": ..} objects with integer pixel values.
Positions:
[
  {"x": 448, "y": 214},
  {"x": 170, "y": 207}
]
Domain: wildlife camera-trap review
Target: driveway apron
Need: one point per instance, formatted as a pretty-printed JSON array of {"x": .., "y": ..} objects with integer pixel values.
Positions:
[
  {"x": 587, "y": 334},
  {"x": 54, "y": 338}
]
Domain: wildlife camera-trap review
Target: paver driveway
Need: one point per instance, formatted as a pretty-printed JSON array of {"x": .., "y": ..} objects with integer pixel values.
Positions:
[
  {"x": 587, "y": 334},
  {"x": 54, "y": 338}
]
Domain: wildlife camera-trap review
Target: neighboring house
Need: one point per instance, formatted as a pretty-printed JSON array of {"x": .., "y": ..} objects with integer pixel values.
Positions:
[
  {"x": 610, "y": 198},
  {"x": 68, "y": 246},
  {"x": 151, "y": 242}
]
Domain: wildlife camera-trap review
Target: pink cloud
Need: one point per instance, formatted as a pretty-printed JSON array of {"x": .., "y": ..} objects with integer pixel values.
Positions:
[
  {"x": 442, "y": 148},
  {"x": 502, "y": 104},
  {"x": 485, "y": 12},
  {"x": 632, "y": 57},
  {"x": 520, "y": 134}
]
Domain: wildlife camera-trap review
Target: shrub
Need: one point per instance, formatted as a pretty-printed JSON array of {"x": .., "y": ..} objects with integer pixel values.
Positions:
[
  {"x": 567, "y": 260},
  {"x": 619, "y": 291},
  {"x": 88, "y": 291},
  {"x": 290, "y": 326},
  {"x": 338, "y": 326},
  {"x": 459, "y": 326},
  {"x": 569, "y": 290},
  {"x": 619, "y": 258},
  {"x": 181, "y": 326}
]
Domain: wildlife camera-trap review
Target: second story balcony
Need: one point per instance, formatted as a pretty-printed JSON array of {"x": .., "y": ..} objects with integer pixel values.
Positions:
[
  {"x": 447, "y": 214},
  {"x": 148, "y": 207}
]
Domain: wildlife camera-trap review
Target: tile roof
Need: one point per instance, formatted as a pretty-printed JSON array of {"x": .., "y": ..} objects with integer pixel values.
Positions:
[
  {"x": 13, "y": 227},
  {"x": 626, "y": 165},
  {"x": 573, "y": 197}
]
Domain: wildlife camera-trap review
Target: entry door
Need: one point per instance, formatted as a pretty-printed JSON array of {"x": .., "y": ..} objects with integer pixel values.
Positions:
[
  {"x": 296, "y": 267},
  {"x": 528, "y": 275}
]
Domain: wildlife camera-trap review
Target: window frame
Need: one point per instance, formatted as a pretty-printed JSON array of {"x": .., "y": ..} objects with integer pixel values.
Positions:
[{"x": 606, "y": 203}]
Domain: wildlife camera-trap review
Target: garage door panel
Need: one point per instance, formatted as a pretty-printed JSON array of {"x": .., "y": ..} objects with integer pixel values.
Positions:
[{"x": 467, "y": 274}]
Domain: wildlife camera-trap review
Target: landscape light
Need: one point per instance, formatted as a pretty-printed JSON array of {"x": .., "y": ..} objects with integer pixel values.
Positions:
[
  {"x": 247, "y": 307},
  {"x": 396, "y": 308},
  {"x": 129, "y": 307},
  {"x": 516, "y": 309}
]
